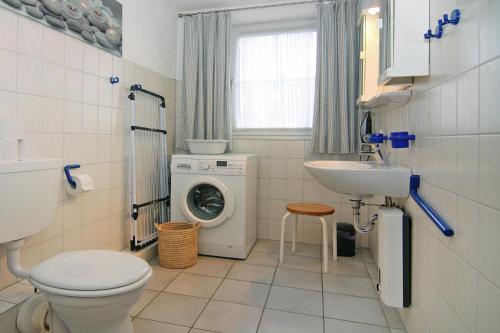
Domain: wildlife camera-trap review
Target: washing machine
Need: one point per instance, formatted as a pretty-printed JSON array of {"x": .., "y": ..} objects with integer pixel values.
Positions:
[{"x": 220, "y": 193}]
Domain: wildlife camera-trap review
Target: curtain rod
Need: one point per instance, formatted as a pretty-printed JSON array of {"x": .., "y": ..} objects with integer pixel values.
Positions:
[{"x": 251, "y": 7}]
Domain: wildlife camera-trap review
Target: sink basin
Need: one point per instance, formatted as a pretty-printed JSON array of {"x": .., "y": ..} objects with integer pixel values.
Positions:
[{"x": 361, "y": 178}]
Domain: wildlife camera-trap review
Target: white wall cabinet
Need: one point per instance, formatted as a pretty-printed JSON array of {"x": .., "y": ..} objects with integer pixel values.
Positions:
[{"x": 404, "y": 52}]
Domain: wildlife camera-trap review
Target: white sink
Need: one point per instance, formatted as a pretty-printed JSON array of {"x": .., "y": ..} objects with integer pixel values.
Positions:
[{"x": 361, "y": 178}]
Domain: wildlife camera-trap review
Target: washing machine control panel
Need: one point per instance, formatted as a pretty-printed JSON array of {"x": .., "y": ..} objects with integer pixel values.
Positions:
[{"x": 216, "y": 167}]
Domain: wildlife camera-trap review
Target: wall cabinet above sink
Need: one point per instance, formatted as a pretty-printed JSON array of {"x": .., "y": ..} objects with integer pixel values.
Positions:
[{"x": 404, "y": 53}]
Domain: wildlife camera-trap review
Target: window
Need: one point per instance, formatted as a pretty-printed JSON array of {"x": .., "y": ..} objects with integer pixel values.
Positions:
[{"x": 274, "y": 80}]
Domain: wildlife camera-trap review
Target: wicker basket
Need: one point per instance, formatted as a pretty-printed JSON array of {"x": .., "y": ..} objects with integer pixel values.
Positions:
[{"x": 177, "y": 244}]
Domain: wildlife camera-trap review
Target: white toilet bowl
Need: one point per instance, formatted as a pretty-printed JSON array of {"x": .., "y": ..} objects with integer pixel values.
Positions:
[{"x": 91, "y": 291}]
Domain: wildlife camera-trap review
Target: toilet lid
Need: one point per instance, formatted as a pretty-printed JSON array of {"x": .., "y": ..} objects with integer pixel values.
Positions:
[{"x": 90, "y": 270}]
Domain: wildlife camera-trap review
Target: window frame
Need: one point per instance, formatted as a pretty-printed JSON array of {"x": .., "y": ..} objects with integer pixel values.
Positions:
[{"x": 239, "y": 31}]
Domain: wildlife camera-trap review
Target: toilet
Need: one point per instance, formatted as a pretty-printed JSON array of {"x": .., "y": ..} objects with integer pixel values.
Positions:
[
  {"x": 98, "y": 284},
  {"x": 79, "y": 291}
]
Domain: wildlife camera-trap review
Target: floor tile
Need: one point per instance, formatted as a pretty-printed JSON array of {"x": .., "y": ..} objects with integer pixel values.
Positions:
[
  {"x": 161, "y": 278},
  {"x": 297, "y": 279},
  {"x": 174, "y": 309},
  {"x": 17, "y": 293},
  {"x": 274, "y": 321},
  {"x": 194, "y": 285},
  {"x": 372, "y": 270},
  {"x": 295, "y": 300},
  {"x": 262, "y": 258},
  {"x": 337, "y": 326},
  {"x": 150, "y": 326},
  {"x": 348, "y": 285},
  {"x": 367, "y": 256},
  {"x": 242, "y": 292},
  {"x": 145, "y": 299},
  {"x": 347, "y": 268},
  {"x": 196, "y": 330},
  {"x": 359, "y": 309},
  {"x": 301, "y": 249},
  {"x": 211, "y": 267},
  {"x": 227, "y": 317},
  {"x": 252, "y": 273},
  {"x": 392, "y": 316},
  {"x": 301, "y": 263}
]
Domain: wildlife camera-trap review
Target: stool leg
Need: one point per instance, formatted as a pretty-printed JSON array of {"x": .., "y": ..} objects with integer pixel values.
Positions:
[
  {"x": 282, "y": 238},
  {"x": 334, "y": 241},
  {"x": 324, "y": 229},
  {"x": 294, "y": 234}
]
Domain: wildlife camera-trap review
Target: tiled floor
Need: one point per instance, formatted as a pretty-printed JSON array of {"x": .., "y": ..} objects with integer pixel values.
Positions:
[{"x": 259, "y": 295}]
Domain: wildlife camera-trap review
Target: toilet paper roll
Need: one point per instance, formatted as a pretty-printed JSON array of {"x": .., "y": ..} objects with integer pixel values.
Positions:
[{"x": 84, "y": 183}]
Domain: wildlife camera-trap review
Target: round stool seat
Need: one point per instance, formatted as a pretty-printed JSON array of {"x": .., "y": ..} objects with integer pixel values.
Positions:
[{"x": 310, "y": 209}]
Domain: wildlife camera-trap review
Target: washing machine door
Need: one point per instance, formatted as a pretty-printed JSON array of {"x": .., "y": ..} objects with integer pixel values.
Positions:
[{"x": 207, "y": 201}]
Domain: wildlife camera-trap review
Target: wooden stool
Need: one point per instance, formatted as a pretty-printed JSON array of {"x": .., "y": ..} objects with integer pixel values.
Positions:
[{"x": 309, "y": 209}]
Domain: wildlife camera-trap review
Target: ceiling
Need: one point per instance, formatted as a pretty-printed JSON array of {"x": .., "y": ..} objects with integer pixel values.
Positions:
[{"x": 211, "y": 4}]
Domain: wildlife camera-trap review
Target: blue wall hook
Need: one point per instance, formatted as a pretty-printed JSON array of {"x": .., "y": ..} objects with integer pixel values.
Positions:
[
  {"x": 401, "y": 139},
  {"x": 438, "y": 33},
  {"x": 114, "y": 79},
  {"x": 67, "y": 169},
  {"x": 453, "y": 19}
]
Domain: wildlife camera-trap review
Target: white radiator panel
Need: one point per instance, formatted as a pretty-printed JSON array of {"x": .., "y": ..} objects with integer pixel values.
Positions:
[{"x": 394, "y": 238}]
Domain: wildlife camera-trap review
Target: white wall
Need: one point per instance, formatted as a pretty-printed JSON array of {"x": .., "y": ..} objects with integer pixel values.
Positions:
[
  {"x": 60, "y": 87},
  {"x": 455, "y": 114},
  {"x": 150, "y": 35}
]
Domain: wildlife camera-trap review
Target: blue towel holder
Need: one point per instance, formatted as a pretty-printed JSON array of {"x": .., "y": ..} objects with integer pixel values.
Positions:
[
  {"x": 67, "y": 169},
  {"x": 428, "y": 210}
]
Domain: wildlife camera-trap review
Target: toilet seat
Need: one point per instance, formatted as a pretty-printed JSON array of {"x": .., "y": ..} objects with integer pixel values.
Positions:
[{"x": 90, "y": 273}]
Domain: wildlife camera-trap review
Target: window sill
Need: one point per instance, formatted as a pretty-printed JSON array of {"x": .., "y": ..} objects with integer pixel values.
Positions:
[{"x": 273, "y": 133}]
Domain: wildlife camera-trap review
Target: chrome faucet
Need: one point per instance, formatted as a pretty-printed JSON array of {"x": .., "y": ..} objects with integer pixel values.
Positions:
[{"x": 377, "y": 151}]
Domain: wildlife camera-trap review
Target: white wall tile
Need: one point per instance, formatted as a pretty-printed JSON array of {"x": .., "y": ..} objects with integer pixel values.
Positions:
[
  {"x": 468, "y": 166},
  {"x": 448, "y": 163},
  {"x": 294, "y": 168},
  {"x": 489, "y": 170},
  {"x": 30, "y": 75},
  {"x": 488, "y": 319},
  {"x": 277, "y": 188},
  {"x": 30, "y": 37},
  {"x": 90, "y": 119},
  {"x": 29, "y": 108},
  {"x": 8, "y": 68},
  {"x": 105, "y": 121},
  {"x": 277, "y": 148},
  {"x": 468, "y": 103},
  {"x": 73, "y": 53},
  {"x": 489, "y": 247},
  {"x": 89, "y": 149},
  {"x": 467, "y": 230},
  {"x": 73, "y": 85},
  {"x": 489, "y": 27},
  {"x": 105, "y": 92},
  {"x": 72, "y": 117},
  {"x": 72, "y": 149},
  {"x": 53, "y": 46},
  {"x": 295, "y": 149},
  {"x": 8, "y": 33},
  {"x": 466, "y": 293},
  {"x": 8, "y": 105},
  {"x": 277, "y": 168},
  {"x": 90, "y": 59},
  {"x": 90, "y": 89},
  {"x": 489, "y": 98},
  {"x": 449, "y": 108},
  {"x": 105, "y": 64},
  {"x": 53, "y": 111},
  {"x": 53, "y": 80}
]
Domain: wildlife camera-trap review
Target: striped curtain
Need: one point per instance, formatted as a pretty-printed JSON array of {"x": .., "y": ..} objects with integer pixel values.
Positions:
[
  {"x": 335, "y": 124},
  {"x": 204, "y": 107}
]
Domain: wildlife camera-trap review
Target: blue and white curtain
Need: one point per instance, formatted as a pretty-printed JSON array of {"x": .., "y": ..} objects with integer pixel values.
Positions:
[
  {"x": 205, "y": 103},
  {"x": 335, "y": 125}
]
